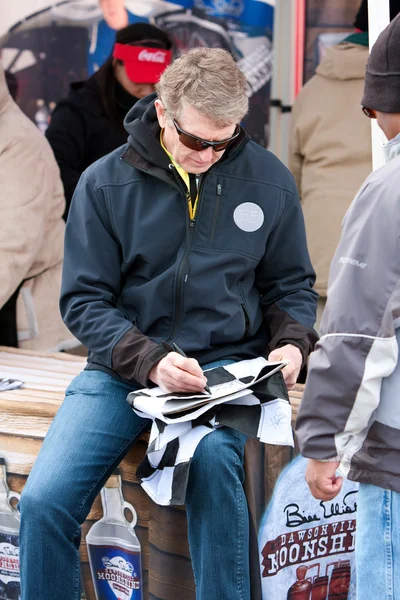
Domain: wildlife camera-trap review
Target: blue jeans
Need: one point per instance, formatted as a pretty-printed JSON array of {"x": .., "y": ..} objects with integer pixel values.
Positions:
[
  {"x": 378, "y": 544},
  {"x": 89, "y": 436}
]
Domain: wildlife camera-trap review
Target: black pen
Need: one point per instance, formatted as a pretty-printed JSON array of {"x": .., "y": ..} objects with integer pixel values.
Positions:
[{"x": 175, "y": 348}]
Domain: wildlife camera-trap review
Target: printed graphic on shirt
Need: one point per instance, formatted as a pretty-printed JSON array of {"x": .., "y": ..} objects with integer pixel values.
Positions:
[
  {"x": 248, "y": 216},
  {"x": 306, "y": 545}
]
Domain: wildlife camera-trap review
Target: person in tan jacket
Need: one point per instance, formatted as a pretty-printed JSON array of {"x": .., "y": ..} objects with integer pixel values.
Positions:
[
  {"x": 31, "y": 234},
  {"x": 330, "y": 144},
  {"x": 330, "y": 151}
]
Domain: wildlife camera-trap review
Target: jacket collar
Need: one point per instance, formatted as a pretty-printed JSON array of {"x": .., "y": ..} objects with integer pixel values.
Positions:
[{"x": 392, "y": 148}]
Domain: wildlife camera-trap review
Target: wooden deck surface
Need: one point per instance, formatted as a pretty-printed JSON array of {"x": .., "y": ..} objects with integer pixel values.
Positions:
[{"x": 25, "y": 416}]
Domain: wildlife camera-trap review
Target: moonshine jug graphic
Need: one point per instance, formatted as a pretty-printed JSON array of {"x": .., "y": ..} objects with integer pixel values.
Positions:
[
  {"x": 9, "y": 541},
  {"x": 114, "y": 549}
]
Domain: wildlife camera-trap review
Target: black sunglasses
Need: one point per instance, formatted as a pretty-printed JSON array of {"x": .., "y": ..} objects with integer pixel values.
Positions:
[
  {"x": 195, "y": 143},
  {"x": 369, "y": 112}
]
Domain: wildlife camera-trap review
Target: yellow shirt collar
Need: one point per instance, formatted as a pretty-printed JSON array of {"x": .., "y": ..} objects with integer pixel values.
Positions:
[
  {"x": 192, "y": 204},
  {"x": 182, "y": 172}
]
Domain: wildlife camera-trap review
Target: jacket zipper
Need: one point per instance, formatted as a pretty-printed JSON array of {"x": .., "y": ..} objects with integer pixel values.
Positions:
[
  {"x": 216, "y": 212},
  {"x": 190, "y": 224},
  {"x": 183, "y": 271}
]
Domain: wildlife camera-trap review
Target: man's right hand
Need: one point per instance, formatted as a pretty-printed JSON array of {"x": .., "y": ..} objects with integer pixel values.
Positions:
[
  {"x": 175, "y": 373},
  {"x": 322, "y": 479}
]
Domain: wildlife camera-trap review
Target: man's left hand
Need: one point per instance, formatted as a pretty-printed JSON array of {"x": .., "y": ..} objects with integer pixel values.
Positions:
[{"x": 291, "y": 371}]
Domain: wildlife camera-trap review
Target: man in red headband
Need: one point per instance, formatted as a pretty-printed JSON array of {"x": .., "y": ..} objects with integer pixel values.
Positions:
[
  {"x": 88, "y": 124},
  {"x": 142, "y": 64}
]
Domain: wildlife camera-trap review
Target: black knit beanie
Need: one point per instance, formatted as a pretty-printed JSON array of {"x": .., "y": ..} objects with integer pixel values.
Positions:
[
  {"x": 143, "y": 34},
  {"x": 382, "y": 79},
  {"x": 361, "y": 21}
]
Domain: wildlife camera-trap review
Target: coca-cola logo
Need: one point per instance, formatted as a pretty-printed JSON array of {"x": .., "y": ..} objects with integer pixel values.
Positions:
[{"x": 148, "y": 56}]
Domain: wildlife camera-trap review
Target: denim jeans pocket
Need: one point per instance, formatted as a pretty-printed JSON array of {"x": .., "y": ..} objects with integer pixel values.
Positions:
[{"x": 92, "y": 382}]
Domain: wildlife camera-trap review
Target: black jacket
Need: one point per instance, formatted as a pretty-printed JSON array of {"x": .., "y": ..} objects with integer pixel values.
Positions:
[
  {"x": 235, "y": 282},
  {"x": 81, "y": 132}
]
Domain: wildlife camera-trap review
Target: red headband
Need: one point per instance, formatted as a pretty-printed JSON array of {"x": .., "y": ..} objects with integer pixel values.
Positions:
[{"x": 143, "y": 64}]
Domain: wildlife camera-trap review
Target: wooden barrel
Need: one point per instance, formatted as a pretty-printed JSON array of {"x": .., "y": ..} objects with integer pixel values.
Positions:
[
  {"x": 339, "y": 584},
  {"x": 25, "y": 416},
  {"x": 320, "y": 588}
]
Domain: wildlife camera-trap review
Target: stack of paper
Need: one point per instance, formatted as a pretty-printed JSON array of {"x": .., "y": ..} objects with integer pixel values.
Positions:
[{"x": 227, "y": 384}]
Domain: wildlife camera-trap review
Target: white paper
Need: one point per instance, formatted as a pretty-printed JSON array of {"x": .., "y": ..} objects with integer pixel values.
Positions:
[{"x": 276, "y": 423}]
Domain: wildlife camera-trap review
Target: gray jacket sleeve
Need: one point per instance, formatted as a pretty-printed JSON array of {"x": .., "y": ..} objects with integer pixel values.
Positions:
[{"x": 358, "y": 347}]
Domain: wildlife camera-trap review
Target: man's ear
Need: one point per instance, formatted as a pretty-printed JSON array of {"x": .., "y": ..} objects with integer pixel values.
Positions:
[{"x": 161, "y": 113}]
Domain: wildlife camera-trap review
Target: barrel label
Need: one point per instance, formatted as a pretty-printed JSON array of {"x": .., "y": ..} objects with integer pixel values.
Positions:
[
  {"x": 116, "y": 573},
  {"x": 9, "y": 567}
]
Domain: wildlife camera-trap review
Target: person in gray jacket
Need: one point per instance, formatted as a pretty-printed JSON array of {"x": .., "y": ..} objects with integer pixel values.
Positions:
[{"x": 350, "y": 418}]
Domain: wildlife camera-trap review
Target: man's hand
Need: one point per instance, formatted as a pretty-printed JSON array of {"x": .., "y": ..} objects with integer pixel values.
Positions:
[
  {"x": 175, "y": 373},
  {"x": 291, "y": 371},
  {"x": 322, "y": 480}
]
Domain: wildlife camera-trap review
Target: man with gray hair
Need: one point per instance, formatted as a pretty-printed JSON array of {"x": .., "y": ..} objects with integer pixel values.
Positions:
[{"x": 190, "y": 234}]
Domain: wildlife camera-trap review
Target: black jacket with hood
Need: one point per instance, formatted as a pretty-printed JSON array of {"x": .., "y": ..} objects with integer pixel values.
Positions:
[
  {"x": 234, "y": 283},
  {"x": 81, "y": 132}
]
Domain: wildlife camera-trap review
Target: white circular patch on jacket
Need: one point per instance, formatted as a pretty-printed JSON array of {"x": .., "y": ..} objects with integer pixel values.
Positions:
[{"x": 248, "y": 216}]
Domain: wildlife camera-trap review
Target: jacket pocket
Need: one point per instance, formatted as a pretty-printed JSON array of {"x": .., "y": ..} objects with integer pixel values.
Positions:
[
  {"x": 246, "y": 321},
  {"x": 245, "y": 310}
]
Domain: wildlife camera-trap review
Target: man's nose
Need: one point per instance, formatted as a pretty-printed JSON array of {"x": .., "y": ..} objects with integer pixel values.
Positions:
[{"x": 206, "y": 155}]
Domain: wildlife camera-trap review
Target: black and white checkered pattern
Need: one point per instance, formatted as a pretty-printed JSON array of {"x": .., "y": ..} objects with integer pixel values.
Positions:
[{"x": 261, "y": 411}]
